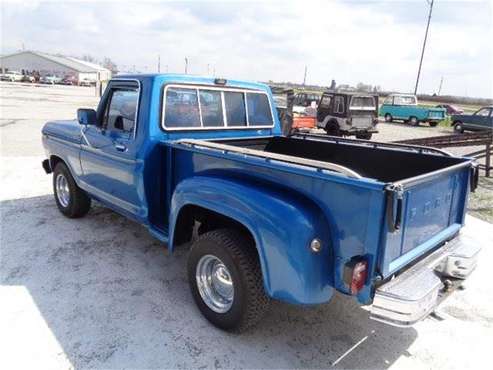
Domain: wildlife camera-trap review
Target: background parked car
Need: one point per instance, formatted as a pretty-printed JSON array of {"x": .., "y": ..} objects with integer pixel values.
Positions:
[
  {"x": 70, "y": 80},
  {"x": 479, "y": 120},
  {"x": 87, "y": 82},
  {"x": 28, "y": 78},
  {"x": 12, "y": 76},
  {"x": 450, "y": 109},
  {"x": 50, "y": 80}
]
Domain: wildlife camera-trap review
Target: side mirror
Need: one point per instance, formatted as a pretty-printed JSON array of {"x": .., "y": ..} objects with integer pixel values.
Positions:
[{"x": 86, "y": 116}]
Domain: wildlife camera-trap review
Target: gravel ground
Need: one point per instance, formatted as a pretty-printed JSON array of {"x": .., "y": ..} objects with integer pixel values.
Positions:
[{"x": 100, "y": 292}]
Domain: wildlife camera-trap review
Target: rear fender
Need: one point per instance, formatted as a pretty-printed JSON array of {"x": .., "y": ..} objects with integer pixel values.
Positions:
[{"x": 282, "y": 223}]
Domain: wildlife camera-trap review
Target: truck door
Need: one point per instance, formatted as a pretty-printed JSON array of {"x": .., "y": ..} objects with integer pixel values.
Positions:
[{"x": 109, "y": 152}]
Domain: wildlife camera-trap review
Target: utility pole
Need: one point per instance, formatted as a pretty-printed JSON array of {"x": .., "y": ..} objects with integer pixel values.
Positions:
[
  {"x": 440, "y": 87},
  {"x": 430, "y": 3},
  {"x": 186, "y": 65},
  {"x": 208, "y": 69},
  {"x": 159, "y": 63},
  {"x": 304, "y": 78}
]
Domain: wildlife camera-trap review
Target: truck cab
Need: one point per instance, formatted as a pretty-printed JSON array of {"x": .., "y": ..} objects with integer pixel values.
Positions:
[
  {"x": 346, "y": 114},
  {"x": 202, "y": 164}
]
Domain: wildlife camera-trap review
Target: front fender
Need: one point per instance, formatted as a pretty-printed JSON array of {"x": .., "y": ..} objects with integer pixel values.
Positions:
[{"x": 282, "y": 224}]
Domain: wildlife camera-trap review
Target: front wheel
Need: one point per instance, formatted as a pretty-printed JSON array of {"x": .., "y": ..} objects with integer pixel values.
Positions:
[
  {"x": 433, "y": 124},
  {"x": 226, "y": 280},
  {"x": 388, "y": 118},
  {"x": 459, "y": 127},
  {"x": 71, "y": 200}
]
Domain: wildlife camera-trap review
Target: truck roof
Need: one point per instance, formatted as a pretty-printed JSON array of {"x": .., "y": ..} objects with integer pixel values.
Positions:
[{"x": 191, "y": 79}]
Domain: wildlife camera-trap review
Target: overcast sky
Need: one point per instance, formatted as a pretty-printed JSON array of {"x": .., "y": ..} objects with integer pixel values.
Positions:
[{"x": 375, "y": 42}]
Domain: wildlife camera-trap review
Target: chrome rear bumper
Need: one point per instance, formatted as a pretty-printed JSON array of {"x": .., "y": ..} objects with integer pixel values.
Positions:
[{"x": 415, "y": 293}]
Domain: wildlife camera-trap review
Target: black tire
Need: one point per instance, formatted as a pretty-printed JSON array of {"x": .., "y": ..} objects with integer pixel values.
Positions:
[
  {"x": 388, "y": 118},
  {"x": 364, "y": 136},
  {"x": 458, "y": 127},
  {"x": 433, "y": 124},
  {"x": 78, "y": 203},
  {"x": 413, "y": 121},
  {"x": 332, "y": 128},
  {"x": 235, "y": 251}
]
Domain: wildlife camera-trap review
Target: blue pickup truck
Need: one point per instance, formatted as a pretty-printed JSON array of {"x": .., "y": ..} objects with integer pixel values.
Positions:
[
  {"x": 405, "y": 107},
  {"x": 201, "y": 162}
]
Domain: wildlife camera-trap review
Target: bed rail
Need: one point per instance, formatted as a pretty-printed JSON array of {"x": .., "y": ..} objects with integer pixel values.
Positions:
[{"x": 321, "y": 165}]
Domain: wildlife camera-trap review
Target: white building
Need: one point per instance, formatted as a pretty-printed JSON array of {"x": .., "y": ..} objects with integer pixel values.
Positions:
[{"x": 29, "y": 62}]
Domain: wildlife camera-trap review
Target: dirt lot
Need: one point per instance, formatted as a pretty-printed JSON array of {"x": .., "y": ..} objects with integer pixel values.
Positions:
[{"x": 100, "y": 292}]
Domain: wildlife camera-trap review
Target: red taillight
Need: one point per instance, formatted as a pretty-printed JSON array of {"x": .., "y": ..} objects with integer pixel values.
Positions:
[{"x": 358, "y": 277}]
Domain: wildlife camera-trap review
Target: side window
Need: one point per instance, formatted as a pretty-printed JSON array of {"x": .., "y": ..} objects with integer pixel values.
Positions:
[
  {"x": 211, "y": 108},
  {"x": 325, "y": 101},
  {"x": 388, "y": 100},
  {"x": 121, "y": 112},
  {"x": 398, "y": 100},
  {"x": 181, "y": 108},
  {"x": 339, "y": 104},
  {"x": 485, "y": 112},
  {"x": 235, "y": 108},
  {"x": 259, "y": 113}
]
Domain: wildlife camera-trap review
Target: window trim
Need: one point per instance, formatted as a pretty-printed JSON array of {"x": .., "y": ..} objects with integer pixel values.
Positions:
[
  {"x": 139, "y": 89},
  {"x": 225, "y": 126}
]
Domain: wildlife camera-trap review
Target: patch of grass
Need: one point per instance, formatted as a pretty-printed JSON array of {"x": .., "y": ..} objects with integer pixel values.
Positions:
[
  {"x": 446, "y": 123},
  {"x": 481, "y": 201}
]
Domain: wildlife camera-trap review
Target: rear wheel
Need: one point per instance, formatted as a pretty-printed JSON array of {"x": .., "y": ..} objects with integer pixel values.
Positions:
[
  {"x": 459, "y": 127},
  {"x": 388, "y": 118},
  {"x": 433, "y": 124},
  {"x": 71, "y": 200},
  {"x": 364, "y": 136},
  {"x": 226, "y": 281},
  {"x": 413, "y": 121}
]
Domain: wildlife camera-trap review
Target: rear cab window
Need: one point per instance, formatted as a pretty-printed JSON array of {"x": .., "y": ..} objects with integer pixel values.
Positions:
[
  {"x": 362, "y": 102},
  {"x": 201, "y": 107}
]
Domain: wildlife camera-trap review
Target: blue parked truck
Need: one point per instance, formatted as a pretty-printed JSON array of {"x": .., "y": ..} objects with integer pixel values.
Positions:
[
  {"x": 405, "y": 107},
  {"x": 201, "y": 162}
]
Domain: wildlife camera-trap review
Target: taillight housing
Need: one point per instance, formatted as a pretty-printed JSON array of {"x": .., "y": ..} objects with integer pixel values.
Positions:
[{"x": 355, "y": 273}]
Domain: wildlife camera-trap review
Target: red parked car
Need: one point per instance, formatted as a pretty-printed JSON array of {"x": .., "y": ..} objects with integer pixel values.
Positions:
[{"x": 451, "y": 109}]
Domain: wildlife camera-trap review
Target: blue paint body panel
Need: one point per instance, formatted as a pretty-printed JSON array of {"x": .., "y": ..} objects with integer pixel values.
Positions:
[{"x": 284, "y": 206}]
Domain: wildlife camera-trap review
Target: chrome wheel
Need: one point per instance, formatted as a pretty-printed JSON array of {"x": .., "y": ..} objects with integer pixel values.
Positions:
[
  {"x": 214, "y": 283},
  {"x": 62, "y": 190}
]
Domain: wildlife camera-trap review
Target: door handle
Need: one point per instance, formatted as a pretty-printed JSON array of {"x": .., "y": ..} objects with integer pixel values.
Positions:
[{"x": 120, "y": 147}]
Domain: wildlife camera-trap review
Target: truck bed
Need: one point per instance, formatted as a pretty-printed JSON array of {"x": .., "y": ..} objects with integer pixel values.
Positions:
[{"x": 380, "y": 161}]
